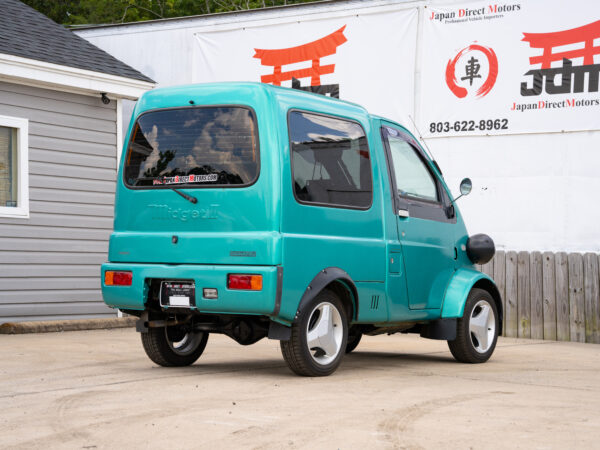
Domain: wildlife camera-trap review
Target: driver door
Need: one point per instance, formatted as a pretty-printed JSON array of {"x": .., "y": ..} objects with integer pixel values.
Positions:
[{"x": 425, "y": 230}]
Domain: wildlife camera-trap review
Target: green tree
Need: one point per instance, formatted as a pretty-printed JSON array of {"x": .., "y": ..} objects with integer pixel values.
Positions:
[{"x": 93, "y": 12}]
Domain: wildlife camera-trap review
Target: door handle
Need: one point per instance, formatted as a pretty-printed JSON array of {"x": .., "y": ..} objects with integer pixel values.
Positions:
[{"x": 403, "y": 212}]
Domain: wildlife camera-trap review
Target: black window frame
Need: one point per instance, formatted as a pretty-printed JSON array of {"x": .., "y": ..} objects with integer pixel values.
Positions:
[
  {"x": 417, "y": 207},
  {"x": 291, "y": 156},
  {"x": 195, "y": 185}
]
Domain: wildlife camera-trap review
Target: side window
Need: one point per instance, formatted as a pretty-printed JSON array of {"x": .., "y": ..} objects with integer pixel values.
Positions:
[
  {"x": 330, "y": 161},
  {"x": 413, "y": 178}
]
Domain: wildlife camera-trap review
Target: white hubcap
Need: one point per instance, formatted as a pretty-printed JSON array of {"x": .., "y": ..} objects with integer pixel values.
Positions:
[
  {"x": 324, "y": 333},
  {"x": 482, "y": 326}
]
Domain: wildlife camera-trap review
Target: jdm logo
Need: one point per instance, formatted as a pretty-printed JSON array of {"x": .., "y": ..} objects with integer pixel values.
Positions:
[
  {"x": 473, "y": 71},
  {"x": 574, "y": 44}
]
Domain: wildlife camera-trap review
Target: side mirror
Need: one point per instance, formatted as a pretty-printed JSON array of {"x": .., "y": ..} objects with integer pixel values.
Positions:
[{"x": 465, "y": 188}]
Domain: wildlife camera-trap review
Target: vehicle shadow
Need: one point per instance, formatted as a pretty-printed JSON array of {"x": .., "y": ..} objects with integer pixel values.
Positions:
[
  {"x": 358, "y": 357},
  {"x": 270, "y": 366},
  {"x": 277, "y": 369}
]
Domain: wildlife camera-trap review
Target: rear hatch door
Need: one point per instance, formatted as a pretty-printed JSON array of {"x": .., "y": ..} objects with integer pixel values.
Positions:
[{"x": 193, "y": 189}]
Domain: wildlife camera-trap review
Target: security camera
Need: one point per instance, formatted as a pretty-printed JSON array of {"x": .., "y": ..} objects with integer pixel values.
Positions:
[{"x": 105, "y": 99}]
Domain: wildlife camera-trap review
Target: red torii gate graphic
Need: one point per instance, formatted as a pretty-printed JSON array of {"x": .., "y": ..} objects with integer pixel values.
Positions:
[
  {"x": 313, "y": 51},
  {"x": 547, "y": 41}
]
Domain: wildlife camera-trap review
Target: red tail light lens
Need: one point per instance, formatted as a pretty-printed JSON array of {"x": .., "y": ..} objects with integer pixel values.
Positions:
[
  {"x": 244, "y": 282},
  {"x": 113, "y": 278}
]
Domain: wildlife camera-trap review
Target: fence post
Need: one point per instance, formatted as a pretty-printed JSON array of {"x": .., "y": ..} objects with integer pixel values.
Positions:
[
  {"x": 511, "y": 294},
  {"x": 488, "y": 268},
  {"x": 597, "y": 301},
  {"x": 500, "y": 280},
  {"x": 562, "y": 297},
  {"x": 598, "y": 307},
  {"x": 549, "y": 295},
  {"x": 523, "y": 295},
  {"x": 591, "y": 293},
  {"x": 576, "y": 299},
  {"x": 537, "y": 305}
]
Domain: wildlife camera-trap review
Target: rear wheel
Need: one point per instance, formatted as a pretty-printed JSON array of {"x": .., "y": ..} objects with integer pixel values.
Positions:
[
  {"x": 477, "y": 330},
  {"x": 174, "y": 346},
  {"x": 319, "y": 337}
]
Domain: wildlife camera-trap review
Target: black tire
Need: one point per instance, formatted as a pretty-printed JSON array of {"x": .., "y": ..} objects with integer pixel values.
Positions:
[
  {"x": 354, "y": 337},
  {"x": 466, "y": 348},
  {"x": 296, "y": 352},
  {"x": 161, "y": 347}
]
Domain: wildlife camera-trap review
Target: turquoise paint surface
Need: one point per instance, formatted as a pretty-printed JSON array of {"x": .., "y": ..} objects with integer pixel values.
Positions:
[
  {"x": 224, "y": 220},
  {"x": 204, "y": 276},
  {"x": 458, "y": 290},
  {"x": 427, "y": 249},
  {"x": 265, "y": 224}
]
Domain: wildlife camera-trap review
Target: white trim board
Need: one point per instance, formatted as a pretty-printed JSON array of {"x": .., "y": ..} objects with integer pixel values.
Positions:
[
  {"x": 55, "y": 76},
  {"x": 119, "y": 130},
  {"x": 21, "y": 211}
]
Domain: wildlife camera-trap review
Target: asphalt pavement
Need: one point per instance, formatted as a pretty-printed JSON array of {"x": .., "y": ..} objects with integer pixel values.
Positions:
[{"x": 97, "y": 389}]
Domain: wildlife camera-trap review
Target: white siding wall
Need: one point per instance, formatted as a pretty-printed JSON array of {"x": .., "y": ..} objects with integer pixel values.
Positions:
[{"x": 50, "y": 262}]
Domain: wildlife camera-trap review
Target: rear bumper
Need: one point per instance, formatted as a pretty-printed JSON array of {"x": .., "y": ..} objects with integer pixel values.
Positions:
[{"x": 134, "y": 297}]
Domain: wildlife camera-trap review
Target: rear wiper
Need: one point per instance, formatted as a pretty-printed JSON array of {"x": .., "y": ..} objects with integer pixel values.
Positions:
[{"x": 188, "y": 197}]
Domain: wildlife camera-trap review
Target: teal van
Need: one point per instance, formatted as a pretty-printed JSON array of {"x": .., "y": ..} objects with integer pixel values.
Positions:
[{"x": 258, "y": 211}]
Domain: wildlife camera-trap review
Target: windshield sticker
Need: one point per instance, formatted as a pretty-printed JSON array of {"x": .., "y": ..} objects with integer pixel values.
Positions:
[{"x": 183, "y": 179}]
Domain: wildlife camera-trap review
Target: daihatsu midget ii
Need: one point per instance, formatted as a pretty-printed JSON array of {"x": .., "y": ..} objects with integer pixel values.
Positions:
[{"x": 259, "y": 211}]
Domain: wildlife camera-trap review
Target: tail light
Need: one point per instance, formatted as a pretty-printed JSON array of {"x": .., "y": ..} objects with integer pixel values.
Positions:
[
  {"x": 244, "y": 282},
  {"x": 113, "y": 278}
]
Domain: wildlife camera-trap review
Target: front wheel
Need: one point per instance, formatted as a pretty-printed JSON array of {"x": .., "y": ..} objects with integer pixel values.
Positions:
[
  {"x": 319, "y": 337},
  {"x": 354, "y": 337},
  {"x": 477, "y": 329},
  {"x": 174, "y": 346}
]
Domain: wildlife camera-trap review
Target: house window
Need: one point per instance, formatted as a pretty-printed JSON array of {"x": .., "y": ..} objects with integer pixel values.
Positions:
[{"x": 14, "y": 180}]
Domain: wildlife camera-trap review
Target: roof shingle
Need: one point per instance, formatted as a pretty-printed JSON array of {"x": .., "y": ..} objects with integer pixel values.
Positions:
[{"x": 27, "y": 33}]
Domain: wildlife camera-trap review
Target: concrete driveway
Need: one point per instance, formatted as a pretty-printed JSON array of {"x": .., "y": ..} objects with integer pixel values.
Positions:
[{"x": 97, "y": 389}]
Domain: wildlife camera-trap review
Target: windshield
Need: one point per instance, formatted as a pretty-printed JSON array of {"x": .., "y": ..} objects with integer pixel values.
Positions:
[{"x": 193, "y": 147}]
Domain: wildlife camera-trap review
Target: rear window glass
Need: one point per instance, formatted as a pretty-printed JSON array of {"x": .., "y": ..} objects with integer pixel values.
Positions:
[
  {"x": 330, "y": 161},
  {"x": 194, "y": 147}
]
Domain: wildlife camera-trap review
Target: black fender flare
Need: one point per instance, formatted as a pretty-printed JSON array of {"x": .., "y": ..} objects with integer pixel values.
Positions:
[{"x": 323, "y": 279}]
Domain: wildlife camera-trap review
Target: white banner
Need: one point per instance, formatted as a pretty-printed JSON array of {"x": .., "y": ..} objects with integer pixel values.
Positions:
[
  {"x": 504, "y": 68},
  {"x": 364, "y": 58}
]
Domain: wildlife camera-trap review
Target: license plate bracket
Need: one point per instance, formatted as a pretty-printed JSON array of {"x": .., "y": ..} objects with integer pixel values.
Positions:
[{"x": 177, "y": 293}]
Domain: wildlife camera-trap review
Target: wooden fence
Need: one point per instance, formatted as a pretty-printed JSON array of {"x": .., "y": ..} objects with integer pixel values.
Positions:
[{"x": 548, "y": 295}]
